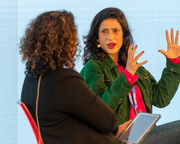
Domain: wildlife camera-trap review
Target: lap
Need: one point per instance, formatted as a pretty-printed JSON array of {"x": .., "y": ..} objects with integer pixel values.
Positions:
[{"x": 168, "y": 133}]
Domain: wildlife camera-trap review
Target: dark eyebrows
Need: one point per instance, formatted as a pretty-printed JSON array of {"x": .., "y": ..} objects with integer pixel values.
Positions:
[
  {"x": 116, "y": 28},
  {"x": 103, "y": 29},
  {"x": 111, "y": 28}
]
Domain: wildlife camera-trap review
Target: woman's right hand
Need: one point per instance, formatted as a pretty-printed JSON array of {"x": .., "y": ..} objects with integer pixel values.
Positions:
[
  {"x": 122, "y": 128},
  {"x": 132, "y": 64}
]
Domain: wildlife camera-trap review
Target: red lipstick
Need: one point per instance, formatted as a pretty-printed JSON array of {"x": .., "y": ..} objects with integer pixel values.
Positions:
[{"x": 111, "y": 45}]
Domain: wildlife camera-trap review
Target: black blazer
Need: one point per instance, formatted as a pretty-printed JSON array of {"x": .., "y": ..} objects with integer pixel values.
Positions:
[{"x": 69, "y": 112}]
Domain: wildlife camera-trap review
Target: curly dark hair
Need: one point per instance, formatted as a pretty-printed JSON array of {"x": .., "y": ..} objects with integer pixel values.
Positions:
[
  {"x": 50, "y": 41},
  {"x": 90, "y": 41}
]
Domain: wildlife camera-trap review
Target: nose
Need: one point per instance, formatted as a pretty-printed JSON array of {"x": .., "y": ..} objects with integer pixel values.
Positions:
[{"x": 110, "y": 36}]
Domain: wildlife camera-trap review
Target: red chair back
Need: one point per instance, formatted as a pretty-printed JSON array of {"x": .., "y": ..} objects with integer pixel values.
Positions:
[{"x": 32, "y": 122}]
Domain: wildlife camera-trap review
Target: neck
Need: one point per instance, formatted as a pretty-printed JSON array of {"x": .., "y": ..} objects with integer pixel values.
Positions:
[{"x": 114, "y": 57}]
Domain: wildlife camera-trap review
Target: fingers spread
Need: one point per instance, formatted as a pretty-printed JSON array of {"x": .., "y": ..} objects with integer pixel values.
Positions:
[
  {"x": 172, "y": 35},
  {"x": 134, "y": 50},
  {"x": 177, "y": 37},
  {"x": 167, "y": 36},
  {"x": 163, "y": 52},
  {"x": 142, "y": 63},
  {"x": 138, "y": 56},
  {"x": 129, "y": 51}
]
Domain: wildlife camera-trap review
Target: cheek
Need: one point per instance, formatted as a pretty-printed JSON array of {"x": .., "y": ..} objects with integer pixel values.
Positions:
[
  {"x": 120, "y": 40},
  {"x": 102, "y": 39}
]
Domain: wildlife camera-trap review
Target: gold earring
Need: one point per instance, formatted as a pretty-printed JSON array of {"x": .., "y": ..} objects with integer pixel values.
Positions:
[{"x": 98, "y": 46}]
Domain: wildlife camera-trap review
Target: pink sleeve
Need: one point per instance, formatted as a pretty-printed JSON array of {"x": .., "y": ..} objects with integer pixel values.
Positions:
[
  {"x": 176, "y": 60},
  {"x": 131, "y": 79}
]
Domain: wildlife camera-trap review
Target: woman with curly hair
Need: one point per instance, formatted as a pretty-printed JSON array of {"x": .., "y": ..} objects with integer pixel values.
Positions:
[
  {"x": 111, "y": 70},
  {"x": 65, "y": 108}
]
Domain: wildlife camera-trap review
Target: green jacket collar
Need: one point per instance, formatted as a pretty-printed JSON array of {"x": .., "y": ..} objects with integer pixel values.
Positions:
[
  {"x": 109, "y": 61},
  {"x": 111, "y": 64}
]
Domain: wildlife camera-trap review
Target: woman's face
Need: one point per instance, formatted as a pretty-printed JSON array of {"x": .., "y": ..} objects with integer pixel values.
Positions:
[{"x": 110, "y": 37}]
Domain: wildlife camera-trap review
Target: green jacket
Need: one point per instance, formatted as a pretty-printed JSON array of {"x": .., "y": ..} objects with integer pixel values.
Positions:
[{"x": 105, "y": 80}]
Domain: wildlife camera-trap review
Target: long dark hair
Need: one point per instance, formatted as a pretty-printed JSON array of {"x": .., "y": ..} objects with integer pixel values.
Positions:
[
  {"x": 90, "y": 41},
  {"x": 50, "y": 41}
]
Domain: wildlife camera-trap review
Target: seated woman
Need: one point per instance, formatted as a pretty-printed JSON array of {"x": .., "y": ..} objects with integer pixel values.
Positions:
[{"x": 66, "y": 110}]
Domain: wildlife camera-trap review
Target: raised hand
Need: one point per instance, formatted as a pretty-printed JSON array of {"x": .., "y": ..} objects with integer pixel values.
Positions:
[
  {"x": 173, "y": 49},
  {"x": 132, "y": 64}
]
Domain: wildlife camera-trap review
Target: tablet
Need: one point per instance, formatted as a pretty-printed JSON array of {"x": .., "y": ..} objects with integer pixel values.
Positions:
[{"x": 139, "y": 128}]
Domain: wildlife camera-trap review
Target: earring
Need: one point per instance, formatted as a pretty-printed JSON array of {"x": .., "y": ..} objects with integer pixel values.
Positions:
[{"x": 98, "y": 45}]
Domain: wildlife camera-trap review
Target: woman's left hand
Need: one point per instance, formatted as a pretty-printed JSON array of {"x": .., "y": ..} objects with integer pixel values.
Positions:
[{"x": 173, "y": 49}]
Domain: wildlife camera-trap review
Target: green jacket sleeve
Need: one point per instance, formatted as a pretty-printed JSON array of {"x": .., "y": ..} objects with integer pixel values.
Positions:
[{"x": 165, "y": 89}]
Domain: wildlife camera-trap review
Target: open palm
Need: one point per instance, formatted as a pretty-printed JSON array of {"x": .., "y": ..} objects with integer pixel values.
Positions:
[{"x": 173, "y": 49}]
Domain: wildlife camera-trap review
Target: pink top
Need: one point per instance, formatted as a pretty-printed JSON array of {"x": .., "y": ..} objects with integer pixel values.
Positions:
[
  {"x": 176, "y": 60},
  {"x": 132, "y": 79}
]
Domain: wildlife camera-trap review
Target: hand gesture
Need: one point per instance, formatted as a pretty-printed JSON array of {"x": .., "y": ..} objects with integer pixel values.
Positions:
[
  {"x": 173, "y": 49},
  {"x": 122, "y": 128},
  {"x": 132, "y": 64}
]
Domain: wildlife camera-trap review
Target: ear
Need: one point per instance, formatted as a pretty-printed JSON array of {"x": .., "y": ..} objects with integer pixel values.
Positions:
[{"x": 97, "y": 40}]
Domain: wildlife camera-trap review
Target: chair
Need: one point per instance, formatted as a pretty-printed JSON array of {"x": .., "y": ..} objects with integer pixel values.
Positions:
[{"x": 32, "y": 122}]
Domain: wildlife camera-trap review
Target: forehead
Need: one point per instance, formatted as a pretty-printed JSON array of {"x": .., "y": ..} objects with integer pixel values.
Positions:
[{"x": 110, "y": 23}]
